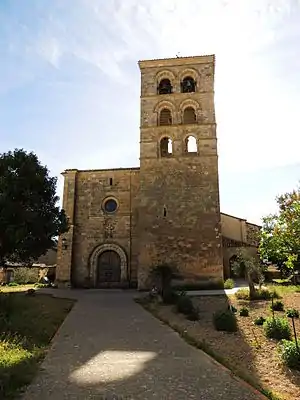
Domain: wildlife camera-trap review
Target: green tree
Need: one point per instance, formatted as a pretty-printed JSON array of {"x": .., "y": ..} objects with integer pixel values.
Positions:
[
  {"x": 251, "y": 267},
  {"x": 280, "y": 234},
  {"x": 29, "y": 216}
]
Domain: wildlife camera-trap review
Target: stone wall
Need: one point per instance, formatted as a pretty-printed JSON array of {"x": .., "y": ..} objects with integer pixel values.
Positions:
[
  {"x": 93, "y": 227},
  {"x": 253, "y": 233}
]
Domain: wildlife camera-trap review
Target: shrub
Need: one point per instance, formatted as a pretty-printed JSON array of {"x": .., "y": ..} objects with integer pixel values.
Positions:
[
  {"x": 292, "y": 313},
  {"x": 259, "y": 320},
  {"x": 41, "y": 285},
  {"x": 193, "y": 315},
  {"x": 242, "y": 294},
  {"x": 169, "y": 296},
  {"x": 260, "y": 294},
  {"x": 224, "y": 320},
  {"x": 277, "y": 306},
  {"x": 23, "y": 275},
  {"x": 229, "y": 284},
  {"x": 11, "y": 284},
  {"x": 185, "y": 305},
  {"x": 290, "y": 354},
  {"x": 232, "y": 308},
  {"x": 244, "y": 312},
  {"x": 277, "y": 328}
]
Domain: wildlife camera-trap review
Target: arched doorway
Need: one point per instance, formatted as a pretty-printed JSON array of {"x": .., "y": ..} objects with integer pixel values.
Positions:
[{"x": 108, "y": 267}]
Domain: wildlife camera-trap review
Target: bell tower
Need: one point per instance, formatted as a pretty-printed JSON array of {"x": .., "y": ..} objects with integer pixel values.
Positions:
[{"x": 179, "y": 210}]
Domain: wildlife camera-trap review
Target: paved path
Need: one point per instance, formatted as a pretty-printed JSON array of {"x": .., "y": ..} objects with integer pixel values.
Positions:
[{"x": 109, "y": 347}]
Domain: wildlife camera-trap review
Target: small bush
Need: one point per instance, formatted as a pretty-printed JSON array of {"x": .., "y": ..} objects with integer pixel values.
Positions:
[
  {"x": 229, "y": 284},
  {"x": 185, "y": 305},
  {"x": 23, "y": 275},
  {"x": 277, "y": 328},
  {"x": 292, "y": 313},
  {"x": 244, "y": 312},
  {"x": 277, "y": 306},
  {"x": 259, "y": 320},
  {"x": 290, "y": 354},
  {"x": 261, "y": 294},
  {"x": 224, "y": 320},
  {"x": 242, "y": 294},
  {"x": 170, "y": 296},
  {"x": 41, "y": 285},
  {"x": 232, "y": 308},
  {"x": 193, "y": 315},
  {"x": 12, "y": 284}
]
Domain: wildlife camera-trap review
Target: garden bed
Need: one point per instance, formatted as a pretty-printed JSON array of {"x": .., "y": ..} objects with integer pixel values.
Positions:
[
  {"x": 27, "y": 325},
  {"x": 247, "y": 352}
]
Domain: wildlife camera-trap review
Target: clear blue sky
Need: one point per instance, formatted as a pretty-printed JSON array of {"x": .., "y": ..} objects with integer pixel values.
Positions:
[{"x": 69, "y": 84}]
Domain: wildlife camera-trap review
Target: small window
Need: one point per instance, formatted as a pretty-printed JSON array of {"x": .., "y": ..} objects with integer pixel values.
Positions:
[
  {"x": 190, "y": 144},
  {"x": 110, "y": 205},
  {"x": 189, "y": 116},
  {"x": 165, "y": 211},
  {"x": 188, "y": 85},
  {"x": 165, "y": 117},
  {"x": 166, "y": 147},
  {"x": 110, "y": 181},
  {"x": 164, "y": 87}
]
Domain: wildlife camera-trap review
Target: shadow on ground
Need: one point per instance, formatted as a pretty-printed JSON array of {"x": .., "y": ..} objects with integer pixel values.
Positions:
[{"x": 111, "y": 348}]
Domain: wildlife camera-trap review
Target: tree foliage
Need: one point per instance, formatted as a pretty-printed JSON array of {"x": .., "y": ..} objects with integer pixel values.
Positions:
[
  {"x": 280, "y": 235},
  {"x": 29, "y": 216}
]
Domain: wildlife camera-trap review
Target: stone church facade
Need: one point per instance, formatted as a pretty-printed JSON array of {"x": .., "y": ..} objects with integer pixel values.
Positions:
[{"x": 124, "y": 221}]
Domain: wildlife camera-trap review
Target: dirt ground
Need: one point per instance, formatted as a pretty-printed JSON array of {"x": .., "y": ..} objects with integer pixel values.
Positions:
[{"x": 247, "y": 352}]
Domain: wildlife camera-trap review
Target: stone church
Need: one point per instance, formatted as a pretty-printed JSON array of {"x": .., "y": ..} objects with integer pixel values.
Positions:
[{"x": 124, "y": 221}]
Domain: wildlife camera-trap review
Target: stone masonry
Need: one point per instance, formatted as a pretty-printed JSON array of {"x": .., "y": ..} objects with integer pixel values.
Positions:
[{"x": 125, "y": 221}]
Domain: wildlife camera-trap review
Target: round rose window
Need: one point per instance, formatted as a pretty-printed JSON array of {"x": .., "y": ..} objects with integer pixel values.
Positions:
[{"x": 110, "y": 205}]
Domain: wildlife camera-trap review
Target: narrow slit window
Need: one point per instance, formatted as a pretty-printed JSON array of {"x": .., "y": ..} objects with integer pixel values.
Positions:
[
  {"x": 165, "y": 211},
  {"x": 166, "y": 147},
  {"x": 110, "y": 181}
]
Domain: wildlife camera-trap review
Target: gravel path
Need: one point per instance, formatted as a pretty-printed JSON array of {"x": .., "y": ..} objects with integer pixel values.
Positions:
[{"x": 109, "y": 348}]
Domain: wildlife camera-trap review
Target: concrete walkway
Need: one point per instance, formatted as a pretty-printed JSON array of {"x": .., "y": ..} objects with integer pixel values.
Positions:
[{"x": 109, "y": 347}]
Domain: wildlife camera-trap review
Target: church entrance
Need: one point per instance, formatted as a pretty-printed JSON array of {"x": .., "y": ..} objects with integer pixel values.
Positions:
[{"x": 108, "y": 268}]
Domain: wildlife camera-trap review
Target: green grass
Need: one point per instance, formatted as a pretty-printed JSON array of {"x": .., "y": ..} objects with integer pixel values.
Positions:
[
  {"x": 283, "y": 289},
  {"x": 19, "y": 288},
  {"x": 27, "y": 325}
]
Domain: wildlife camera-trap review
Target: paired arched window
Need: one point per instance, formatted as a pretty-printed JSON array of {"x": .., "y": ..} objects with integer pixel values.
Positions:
[
  {"x": 165, "y": 117},
  {"x": 189, "y": 116},
  {"x": 164, "y": 87},
  {"x": 188, "y": 85},
  {"x": 190, "y": 144},
  {"x": 166, "y": 147}
]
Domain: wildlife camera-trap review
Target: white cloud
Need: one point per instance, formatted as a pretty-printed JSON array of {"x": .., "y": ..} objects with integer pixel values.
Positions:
[{"x": 94, "y": 47}]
